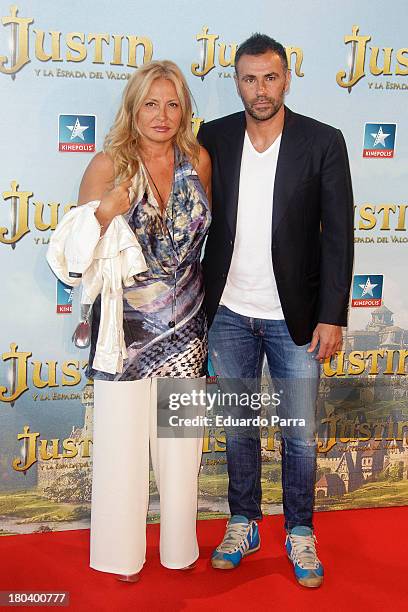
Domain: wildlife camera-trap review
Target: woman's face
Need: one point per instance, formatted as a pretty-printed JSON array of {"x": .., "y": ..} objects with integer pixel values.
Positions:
[{"x": 159, "y": 117}]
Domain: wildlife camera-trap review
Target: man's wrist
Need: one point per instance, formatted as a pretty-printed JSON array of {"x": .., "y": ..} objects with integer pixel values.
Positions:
[{"x": 331, "y": 324}]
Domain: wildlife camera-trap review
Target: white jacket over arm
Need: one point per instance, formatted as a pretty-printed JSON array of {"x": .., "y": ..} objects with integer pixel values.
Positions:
[{"x": 77, "y": 254}]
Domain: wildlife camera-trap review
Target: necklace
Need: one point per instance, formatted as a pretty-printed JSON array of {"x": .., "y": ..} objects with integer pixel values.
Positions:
[
  {"x": 163, "y": 207},
  {"x": 154, "y": 185}
]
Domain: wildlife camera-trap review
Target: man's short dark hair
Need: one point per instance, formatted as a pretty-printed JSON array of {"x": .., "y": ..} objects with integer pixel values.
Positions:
[{"x": 257, "y": 44}]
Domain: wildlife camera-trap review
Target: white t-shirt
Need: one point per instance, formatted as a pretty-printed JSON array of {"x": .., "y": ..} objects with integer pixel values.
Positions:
[{"x": 251, "y": 289}]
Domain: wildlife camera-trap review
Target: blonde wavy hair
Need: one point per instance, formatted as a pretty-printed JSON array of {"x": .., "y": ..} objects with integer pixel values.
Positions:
[{"x": 122, "y": 143}]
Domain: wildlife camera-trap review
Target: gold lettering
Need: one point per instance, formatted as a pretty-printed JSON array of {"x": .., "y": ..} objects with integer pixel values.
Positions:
[
  {"x": 71, "y": 376},
  {"x": 356, "y": 362},
  {"x": 220, "y": 441},
  {"x": 386, "y": 208},
  {"x": 403, "y": 354},
  {"x": 367, "y": 214},
  {"x": 298, "y": 53},
  {"x": 374, "y": 354},
  {"x": 99, "y": 39},
  {"x": 22, "y": 56},
  {"x": 389, "y": 363},
  {"x": 78, "y": 47},
  {"x": 401, "y": 217},
  {"x": 38, "y": 216},
  {"x": 331, "y": 419},
  {"x": 117, "y": 50},
  {"x": 21, "y": 368},
  {"x": 221, "y": 55},
  {"x": 206, "y": 441},
  {"x": 374, "y": 69},
  {"x": 70, "y": 447},
  {"x": 339, "y": 371},
  {"x": 402, "y": 61},
  {"x": 52, "y": 374},
  {"x": 86, "y": 442},
  {"x": 55, "y": 46},
  {"x": 134, "y": 43},
  {"x": 44, "y": 454},
  {"x": 270, "y": 441},
  {"x": 208, "y": 62},
  {"x": 359, "y": 62},
  {"x": 31, "y": 457},
  {"x": 22, "y": 226}
]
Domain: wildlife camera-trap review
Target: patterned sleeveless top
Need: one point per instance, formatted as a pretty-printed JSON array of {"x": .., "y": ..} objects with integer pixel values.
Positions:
[{"x": 163, "y": 317}]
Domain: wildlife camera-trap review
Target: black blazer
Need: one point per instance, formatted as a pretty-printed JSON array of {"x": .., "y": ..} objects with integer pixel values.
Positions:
[{"x": 312, "y": 220}]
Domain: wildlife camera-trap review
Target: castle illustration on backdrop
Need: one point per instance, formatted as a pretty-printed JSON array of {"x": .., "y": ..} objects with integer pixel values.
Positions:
[{"x": 345, "y": 468}]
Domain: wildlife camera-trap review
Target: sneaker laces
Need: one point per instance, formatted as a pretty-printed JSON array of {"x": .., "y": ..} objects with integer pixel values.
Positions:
[
  {"x": 235, "y": 538},
  {"x": 303, "y": 551}
]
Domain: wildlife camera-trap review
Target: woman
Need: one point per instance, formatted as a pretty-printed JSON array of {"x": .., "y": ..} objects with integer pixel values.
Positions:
[{"x": 152, "y": 154}]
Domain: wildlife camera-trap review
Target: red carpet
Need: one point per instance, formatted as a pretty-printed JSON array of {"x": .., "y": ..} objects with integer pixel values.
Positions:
[{"x": 364, "y": 553}]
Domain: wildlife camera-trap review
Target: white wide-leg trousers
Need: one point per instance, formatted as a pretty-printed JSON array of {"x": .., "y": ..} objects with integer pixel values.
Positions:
[{"x": 125, "y": 424}]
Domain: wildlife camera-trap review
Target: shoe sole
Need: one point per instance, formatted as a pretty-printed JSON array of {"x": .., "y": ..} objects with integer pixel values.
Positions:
[
  {"x": 188, "y": 567},
  {"x": 130, "y": 579},
  {"x": 223, "y": 564},
  {"x": 310, "y": 583},
  {"x": 313, "y": 583}
]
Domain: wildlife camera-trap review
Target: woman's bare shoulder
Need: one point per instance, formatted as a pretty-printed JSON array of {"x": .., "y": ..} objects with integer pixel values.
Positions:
[
  {"x": 204, "y": 165},
  {"x": 102, "y": 164},
  {"x": 204, "y": 171},
  {"x": 204, "y": 159}
]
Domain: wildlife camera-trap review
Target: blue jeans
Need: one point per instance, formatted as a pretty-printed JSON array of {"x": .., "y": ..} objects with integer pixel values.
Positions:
[{"x": 237, "y": 346}]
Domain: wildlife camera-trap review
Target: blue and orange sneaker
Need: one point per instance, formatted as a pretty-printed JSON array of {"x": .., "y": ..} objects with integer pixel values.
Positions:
[
  {"x": 241, "y": 539},
  {"x": 301, "y": 550}
]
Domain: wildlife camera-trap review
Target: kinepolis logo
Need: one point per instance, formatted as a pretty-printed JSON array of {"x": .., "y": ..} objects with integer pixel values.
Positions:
[
  {"x": 394, "y": 62},
  {"x": 379, "y": 140},
  {"x": 64, "y": 294},
  {"x": 73, "y": 47},
  {"x": 367, "y": 290},
  {"x": 213, "y": 54},
  {"x": 76, "y": 133}
]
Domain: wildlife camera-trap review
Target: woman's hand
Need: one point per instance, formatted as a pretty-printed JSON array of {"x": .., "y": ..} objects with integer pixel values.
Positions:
[{"x": 114, "y": 202}]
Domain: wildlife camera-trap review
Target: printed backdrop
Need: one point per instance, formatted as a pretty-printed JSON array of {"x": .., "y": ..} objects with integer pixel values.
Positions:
[{"x": 62, "y": 71}]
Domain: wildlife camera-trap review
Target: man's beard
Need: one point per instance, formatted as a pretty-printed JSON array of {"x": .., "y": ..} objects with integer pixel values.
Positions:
[{"x": 263, "y": 115}]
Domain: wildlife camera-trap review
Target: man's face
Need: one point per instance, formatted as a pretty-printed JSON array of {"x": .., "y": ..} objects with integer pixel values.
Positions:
[{"x": 262, "y": 82}]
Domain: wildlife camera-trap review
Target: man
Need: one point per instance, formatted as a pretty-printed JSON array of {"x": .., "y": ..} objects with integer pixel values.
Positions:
[{"x": 277, "y": 268}]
